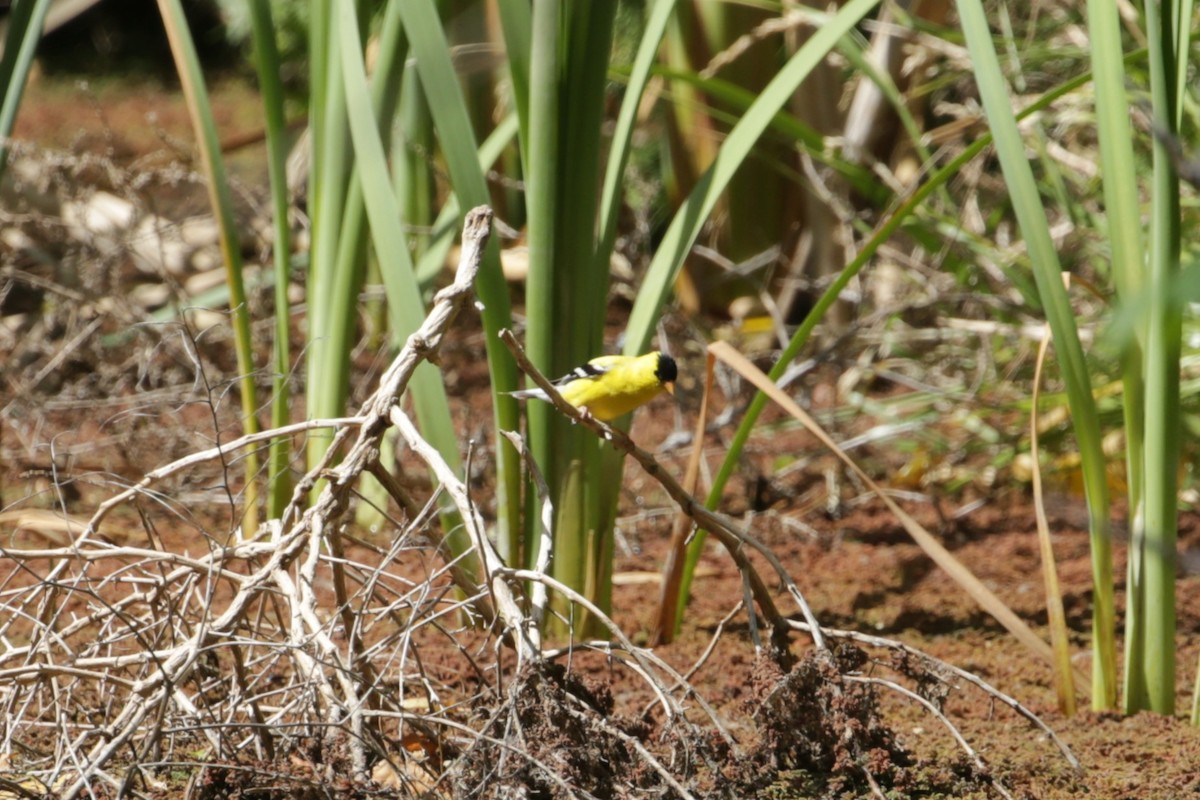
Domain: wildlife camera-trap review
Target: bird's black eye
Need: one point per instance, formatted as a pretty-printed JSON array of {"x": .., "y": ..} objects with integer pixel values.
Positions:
[{"x": 667, "y": 371}]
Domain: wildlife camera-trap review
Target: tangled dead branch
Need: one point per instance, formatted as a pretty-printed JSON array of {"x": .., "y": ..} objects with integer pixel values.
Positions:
[{"x": 193, "y": 643}]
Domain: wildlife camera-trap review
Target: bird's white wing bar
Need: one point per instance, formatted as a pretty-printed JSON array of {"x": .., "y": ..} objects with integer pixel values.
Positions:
[{"x": 589, "y": 370}]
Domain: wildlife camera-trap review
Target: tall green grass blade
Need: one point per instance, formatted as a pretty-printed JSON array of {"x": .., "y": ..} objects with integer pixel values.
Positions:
[
  {"x": 1180, "y": 62},
  {"x": 759, "y": 199},
  {"x": 542, "y": 292},
  {"x": 693, "y": 214},
  {"x": 25, "y": 22},
  {"x": 618, "y": 153},
  {"x": 611, "y": 462},
  {"x": 588, "y": 51},
  {"x": 339, "y": 245},
  {"x": 329, "y": 182},
  {"x": 428, "y": 43},
  {"x": 412, "y": 171},
  {"x": 405, "y": 310},
  {"x": 433, "y": 260},
  {"x": 1124, "y": 236},
  {"x": 517, "y": 23},
  {"x": 191, "y": 77},
  {"x": 338, "y": 251},
  {"x": 389, "y": 80},
  {"x": 1031, "y": 217},
  {"x": 1163, "y": 342},
  {"x": 413, "y": 182},
  {"x": 566, "y": 289},
  {"x": 266, "y": 63},
  {"x": 784, "y": 124}
]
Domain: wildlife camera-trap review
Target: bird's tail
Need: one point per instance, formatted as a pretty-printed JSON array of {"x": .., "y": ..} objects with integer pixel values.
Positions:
[{"x": 526, "y": 394}]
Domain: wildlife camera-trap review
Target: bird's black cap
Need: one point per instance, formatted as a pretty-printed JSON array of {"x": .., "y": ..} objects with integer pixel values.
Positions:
[{"x": 667, "y": 371}]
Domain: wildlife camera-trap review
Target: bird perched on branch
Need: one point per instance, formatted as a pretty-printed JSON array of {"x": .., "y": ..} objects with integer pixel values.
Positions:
[{"x": 609, "y": 386}]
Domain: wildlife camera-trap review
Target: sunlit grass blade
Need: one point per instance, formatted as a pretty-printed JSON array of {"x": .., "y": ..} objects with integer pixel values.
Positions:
[
  {"x": 428, "y": 43},
  {"x": 667, "y": 620},
  {"x": 567, "y": 283},
  {"x": 1031, "y": 217},
  {"x": 517, "y": 23},
  {"x": 692, "y": 216},
  {"x": 611, "y": 462},
  {"x": 24, "y": 32},
  {"x": 406, "y": 312},
  {"x": 329, "y": 318},
  {"x": 622, "y": 140},
  {"x": 413, "y": 182},
  {"x": 266, "y": 63},
  {"x": 1124, "y": 235},
  {"x": 1064, "y": 682},
  {"x": 433, "y": 260},
  {"x": 1163, "y": 342},
  {"x": 191, "y": 77}
]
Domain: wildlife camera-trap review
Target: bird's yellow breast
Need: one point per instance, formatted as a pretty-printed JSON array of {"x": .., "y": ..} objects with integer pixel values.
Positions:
[{"x": 618, "y": 391}]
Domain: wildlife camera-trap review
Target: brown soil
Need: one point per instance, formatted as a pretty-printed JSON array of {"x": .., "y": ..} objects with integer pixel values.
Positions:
[{"x": 119, "y": 416}]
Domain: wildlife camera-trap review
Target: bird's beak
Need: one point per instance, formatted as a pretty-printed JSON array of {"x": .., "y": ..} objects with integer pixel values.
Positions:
[{"x": 670, "y": 386}]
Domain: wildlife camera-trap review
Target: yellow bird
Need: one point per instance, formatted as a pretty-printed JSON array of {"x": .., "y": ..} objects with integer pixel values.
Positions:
[{"x": 609, "y": 386}]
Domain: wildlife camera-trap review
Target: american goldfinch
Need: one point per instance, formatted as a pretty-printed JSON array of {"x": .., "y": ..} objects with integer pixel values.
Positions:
[{"x": 609, "y": 386}]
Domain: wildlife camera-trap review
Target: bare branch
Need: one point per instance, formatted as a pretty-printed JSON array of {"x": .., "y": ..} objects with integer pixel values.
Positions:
[{"x": 731, "y": 535}]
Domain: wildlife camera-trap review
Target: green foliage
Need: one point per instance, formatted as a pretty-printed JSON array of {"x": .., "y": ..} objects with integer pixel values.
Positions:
[
  {"x": 187, "y": 63},
  {"x": 22, "y": 34},
  {"x": 291, "y": 24},
  {"x": 1031, "y": 216},
  {"x": 266, "y": 61}
]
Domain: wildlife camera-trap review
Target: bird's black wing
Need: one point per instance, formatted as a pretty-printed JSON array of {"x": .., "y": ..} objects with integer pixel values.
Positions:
[{"x": 591, "y": 370}]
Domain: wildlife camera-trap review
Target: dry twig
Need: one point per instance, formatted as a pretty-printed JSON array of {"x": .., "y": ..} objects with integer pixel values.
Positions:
[{"x": 736, "y": 540}]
